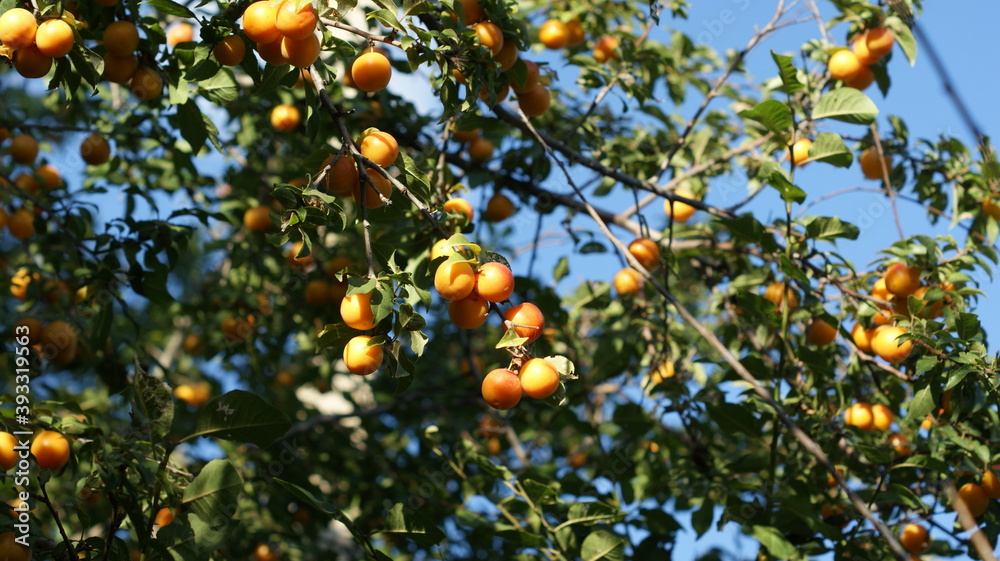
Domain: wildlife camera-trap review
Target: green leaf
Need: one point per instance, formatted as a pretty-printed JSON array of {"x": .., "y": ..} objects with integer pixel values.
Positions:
[
  {"x": 602, "y": 544},
  {"x": 775, "y": 542},
  {"x": 242, "y": 416},
  {"x": 152, "y": 404},
  {"x": 221, "y": 88},
  {"x": 271, "y": 78},
  {"x": 511, "y": 339},
  {"x": 701, "y": 519},
  {"x": 773, "y": 114},
  {"x": 789, "y": 193},
  {"x": 561, "y": 269},
  {"x": 922, "y": 404},
  {"x": 829, "y": 228},
  {"x": 847, "y": 105},
  {"x": 830, "y": 148},
  {"x": 904, "y": 36},
  {"x": 412, "y": 525},
  {"x": 214, "y": 492},
  {"x": 170, "y": 7},
  {"x": 192, "y": 126},
  {"x": 789, "y": 74},
  {"x": 335, "y": 335}
]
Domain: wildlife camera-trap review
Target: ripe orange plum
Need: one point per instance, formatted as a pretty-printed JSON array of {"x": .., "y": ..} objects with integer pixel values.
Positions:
[
  {"x": 901, "y": 280},
  {"x": 454, "y": 280},
  {"x": 285, "y": 117},
  {"x": 271, "y": 52},
  {"x": 991, "y": 484},
  {"x": 534, "y": 102},
  {"x": 498, "y": 208},
  {"x": 871, "y": 165},
  {"x": 494, "y": 282},
  {"x": 628, "y": 281},
  {"x": 914, "y": 538},
  {"x": 473, "y": 11},
  {"x": 821, "y": 333},
  {"x": 884, "y": 344},
  {"x": 120, "y": 69},
  {"x": 17, "y": 28},
  {"x": 800, "y": 151},
  {"x": 469, "y": 312},
  {"x": 882, "y": 417},
  {"x": 54, "y": 38},
  {"x": 181, "y": 32},
  {"x": 480, "y": 149},
  {"x": 507, "y": 55},
  {"x": 528, "y": 319},
  {"x": 295, "y": 24},
  {"x": 361, "y": 358},
  {"x": 381, "y": 184},
  {"x": 356, "y": 311},
  {"x": 844, "y": 65},
  {"x": 341, "y": 179},
  {"x": 554, "y": 34},
  {"x": 646, "y": 252},
  {"x": 300, "y": 53},
  {"x": 501, "y": 389},
  {"x": 606, "y": 49},
  {"x": 230, "y": 51},
  {"x": 12, "y": 550},
  {"x": 539, "y": 378},
  {"x": 975, "y": 498},
  {"x": 460, "y": 206},
  {"x": 8, "y": 456},
  {"x": 258, "y": 219},
  {"x": 490, "y": 36},
  {"x": 23, "y": 149},
  {"x": 259, "y": 22},
  {"x": 146, "y": 83},
  {"x": 317, "y": 293},
  {"x": 530, "y": 80},
  {"x": 380, "y": 147},
  {"x": 860, "y": 415},
  {"x": 95, "y": 149},
  {"x": 121, "y": 38},
  {"x": 50, "y": 449},
  {"x": 21, "y": 225},
  {"x": 864, "y": 78},
  {"x": 680, "y": 211},
  {"x": 31, "y": 63},
  {"x": 371, "y": 72}
]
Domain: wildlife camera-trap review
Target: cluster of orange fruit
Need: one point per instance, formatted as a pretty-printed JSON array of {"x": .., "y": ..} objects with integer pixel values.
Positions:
[
  {"x": 23, "y": 150},
  {"x": 532, "y": 96},
  {"x": 49, "y": 448},
  {"x": 915, "y": 538},
  {"x": 877, "y": 417},
  {"x": 897, "y": 284},
  {"x": 871, "y": 165},
  {"x": 286, "y": 34},
  {"x": 471, "y": 289},
  {"x": 647, "y": 253},
  {"x": 57, "y": 341},
  {"x": 853, "y": 66},
  {"x": 283, "y": 33},
  {"x": 34, "y": 45},
  {"x": 555, "y": 34}
]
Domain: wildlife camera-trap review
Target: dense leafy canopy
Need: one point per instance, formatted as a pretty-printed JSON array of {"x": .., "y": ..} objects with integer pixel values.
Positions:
[{"x": 260, "y": 300}]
